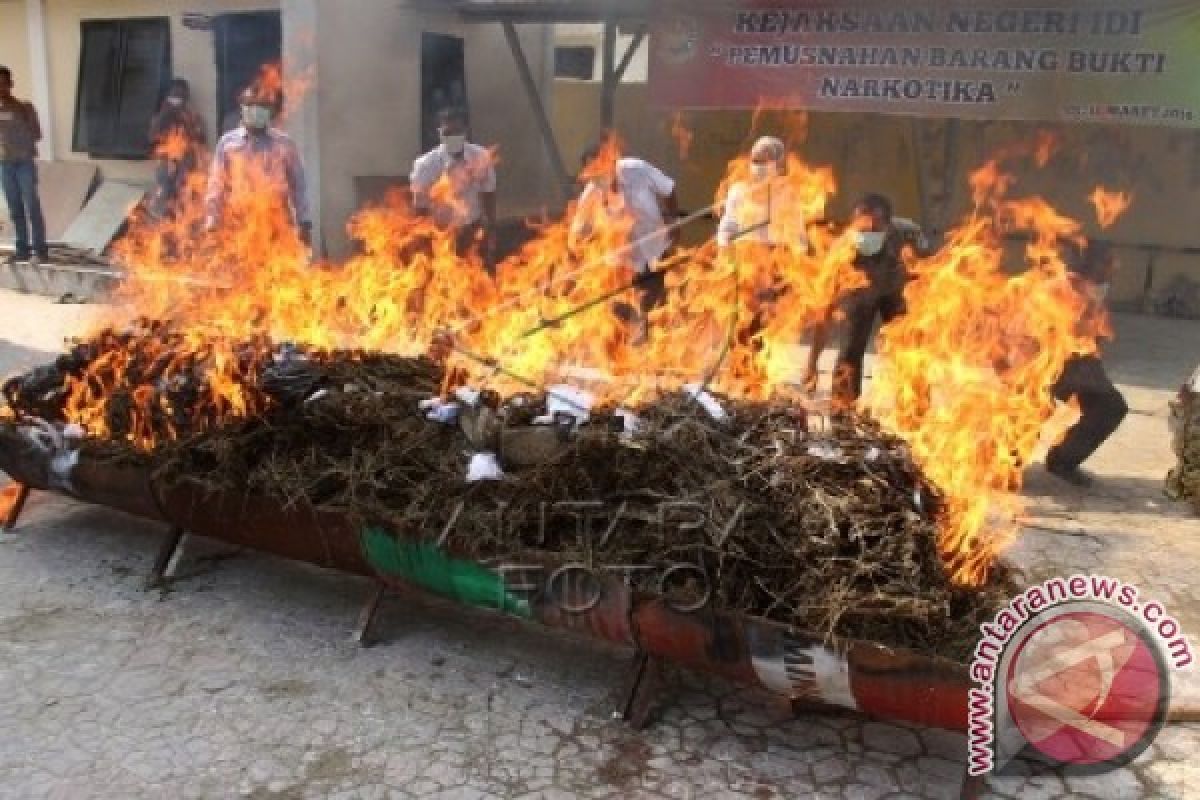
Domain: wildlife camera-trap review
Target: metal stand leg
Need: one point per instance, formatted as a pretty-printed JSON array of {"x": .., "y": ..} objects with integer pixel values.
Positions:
[
  {"x": 166, "y": 554},
  {"x": 362, "y": 635},
  {"x": 639, "y": 694},
  {"x": 18, "y": 505}
]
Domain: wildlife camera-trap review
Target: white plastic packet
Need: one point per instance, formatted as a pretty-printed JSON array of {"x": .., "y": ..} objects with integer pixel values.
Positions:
[
  {"x": 466, "y": 395},
  {"x": 563, "y": 399},
  {"x": 484, "y": 467},
  {"x": 709, "y": 403},
  {"x": 439, "y": 410}
]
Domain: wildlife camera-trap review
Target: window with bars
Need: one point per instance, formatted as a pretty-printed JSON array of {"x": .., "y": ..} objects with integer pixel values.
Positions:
[{"x": 124, "y": 71}]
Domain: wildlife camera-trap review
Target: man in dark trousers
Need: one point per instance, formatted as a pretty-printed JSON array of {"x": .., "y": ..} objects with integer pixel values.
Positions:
[
  {"x": 20, "y": 132},
  {"x": 1102, "y": 406},
  {"x": 881, "y": 242}
]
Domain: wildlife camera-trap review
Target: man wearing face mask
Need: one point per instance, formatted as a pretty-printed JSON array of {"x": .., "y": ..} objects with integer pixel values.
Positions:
[
  {"x": 763, "y": 209},
  {"x": 763, "y": 212},
  {"x": 455, "y": 184},
  {"x": 259, "y": 152},
  {"x": 1101, "y": 405},
  {"x": 881, "y": 242},
  {"x": 640, "y": 194},
  {"x": 177, "y": 133}
]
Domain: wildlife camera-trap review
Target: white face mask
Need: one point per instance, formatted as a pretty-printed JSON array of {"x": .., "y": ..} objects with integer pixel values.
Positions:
[
  {"x": 175, "y": 102},
  {"x": 762, "y": 172},
  {"x": 256, "y": 117},
  {"x": 869, "y": 243},
  {"x": 455, "y": 143}
]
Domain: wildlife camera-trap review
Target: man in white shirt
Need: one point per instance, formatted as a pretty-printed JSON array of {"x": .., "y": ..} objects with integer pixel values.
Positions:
[
  {"x": 632, "y": 192},
  {"x": 764, "y": 209},
  {"x": 455, "y": 185}
]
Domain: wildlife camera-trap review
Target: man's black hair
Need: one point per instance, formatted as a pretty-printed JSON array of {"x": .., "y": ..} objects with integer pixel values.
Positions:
[
  {"x": 875, "y": 203},
  {"x": 6, "y": 72},
  {"x": 180, "y": 83}
]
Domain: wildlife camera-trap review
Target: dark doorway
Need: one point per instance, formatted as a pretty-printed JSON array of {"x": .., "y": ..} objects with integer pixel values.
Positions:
[
  {"x": 244, "y": 43},
  {"x": 443, "y": 81}
]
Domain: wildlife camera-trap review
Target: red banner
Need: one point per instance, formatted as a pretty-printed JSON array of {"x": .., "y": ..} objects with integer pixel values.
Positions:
[{"x": 1121, "y": 61}]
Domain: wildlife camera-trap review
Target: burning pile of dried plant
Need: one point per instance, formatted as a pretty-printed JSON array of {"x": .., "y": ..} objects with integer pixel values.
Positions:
[{"x": 832, "y": 530}]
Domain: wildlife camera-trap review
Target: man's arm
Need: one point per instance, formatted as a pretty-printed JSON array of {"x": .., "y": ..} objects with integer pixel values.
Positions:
[
  {"x": 298, "y": 187},
  {"x": 581, "y": 222},
  {"x": 728, "y": 228},
  {"x": 214, "y": 196},
  {"x": 420, "y": 181},
  {"x": 488, "y": 192},
  {"x": 35, "y": 124}
]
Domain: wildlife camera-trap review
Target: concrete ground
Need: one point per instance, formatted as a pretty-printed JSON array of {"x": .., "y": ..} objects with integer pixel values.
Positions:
[{"x": 240, "y": 680}]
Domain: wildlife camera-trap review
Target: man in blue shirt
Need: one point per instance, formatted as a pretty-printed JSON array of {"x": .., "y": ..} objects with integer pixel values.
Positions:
[{"x": 254, "y": 158}]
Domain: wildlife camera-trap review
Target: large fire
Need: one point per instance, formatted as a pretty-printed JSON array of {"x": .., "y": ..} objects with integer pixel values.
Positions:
[{"x": 964, "y": 377}]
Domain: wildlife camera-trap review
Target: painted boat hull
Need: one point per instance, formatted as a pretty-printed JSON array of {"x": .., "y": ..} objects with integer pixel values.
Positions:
[{"x": 861, "y": 676}]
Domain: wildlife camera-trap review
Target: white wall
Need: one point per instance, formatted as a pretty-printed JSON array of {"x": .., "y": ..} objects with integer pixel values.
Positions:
[{"x": 14, "y": 46}]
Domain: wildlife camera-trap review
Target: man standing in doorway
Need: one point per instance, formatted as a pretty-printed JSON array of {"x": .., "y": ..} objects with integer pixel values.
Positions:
[
  {"x": 20, "y": 132},
  {"x": 455, "y": 185},
  {"x": 256, "y": 158}
]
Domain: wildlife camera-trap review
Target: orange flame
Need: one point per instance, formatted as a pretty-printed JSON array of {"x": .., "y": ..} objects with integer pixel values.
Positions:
[
  {"x": 1109, "y": 205},
  {"x": 682, "y": 135},
  {"x": 965, "y": 376},
  {"x": 174, "y": 146},
  {"x": 967, "y": 372}
]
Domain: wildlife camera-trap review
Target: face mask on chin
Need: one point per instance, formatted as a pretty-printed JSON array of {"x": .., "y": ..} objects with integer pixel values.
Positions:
[
  {"x": 869, "y": 243},
  {"x": 455, "y": 143},
  {"x": 175, "y": 102},
  {"x": 256, "y": 117}
]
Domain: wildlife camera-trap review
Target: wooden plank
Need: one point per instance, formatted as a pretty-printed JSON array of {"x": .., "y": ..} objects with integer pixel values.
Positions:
[
  {"x": 103, "y": 216},
  {"x": 63, "y": 187}
]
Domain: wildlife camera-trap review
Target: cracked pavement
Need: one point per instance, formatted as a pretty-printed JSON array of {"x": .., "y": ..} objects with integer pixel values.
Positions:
[{"x": 240, "y": 680}]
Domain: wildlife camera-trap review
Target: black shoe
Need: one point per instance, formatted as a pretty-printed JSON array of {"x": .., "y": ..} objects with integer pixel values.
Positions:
[{"x": 1072, "y": 475}]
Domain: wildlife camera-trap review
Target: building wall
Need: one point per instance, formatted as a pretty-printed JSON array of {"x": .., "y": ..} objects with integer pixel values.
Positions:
[
  {"x": 367, "y": 77},
  {"x": 14, "y": 45},
  {"x": 360, "y": 111},
  {"x": 192, "y": 57}
]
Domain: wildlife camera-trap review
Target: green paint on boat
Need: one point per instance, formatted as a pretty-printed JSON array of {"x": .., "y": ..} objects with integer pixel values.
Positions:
[{"x": 428, "y": 566}]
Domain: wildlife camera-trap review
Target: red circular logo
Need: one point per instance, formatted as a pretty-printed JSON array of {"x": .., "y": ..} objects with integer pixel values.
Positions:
[{"x": 1087, "y": 688}]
